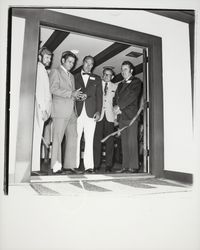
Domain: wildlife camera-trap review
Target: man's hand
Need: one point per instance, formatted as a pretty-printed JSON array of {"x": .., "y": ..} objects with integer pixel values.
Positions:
[
  {"x": 82, "y": 97},
  {"x": 116, "y": 110},
  {"x": 45, "y": 115},
  {"x": 77, "y": 93},
  {"x": 96, "y": 116}
]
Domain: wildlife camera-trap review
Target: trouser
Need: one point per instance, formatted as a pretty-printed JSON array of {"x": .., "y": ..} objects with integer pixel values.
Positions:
[
  {"x": 129, "y": 139},
  {"x": 103, "y": 128},
  {"x": 86, "y": 124},
  {"x": 68, "y": 127},
  {"x": 37, "y": 137}
]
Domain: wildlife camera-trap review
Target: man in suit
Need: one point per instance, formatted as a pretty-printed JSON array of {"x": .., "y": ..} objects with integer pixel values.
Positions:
[
  {"x": 127, "y": 99},
  {"x": 62, "y": 87},
  {"x": 88, "y": 110},
  {"x": 105, "y": 125},
  {"x": 43, "y": 103}
]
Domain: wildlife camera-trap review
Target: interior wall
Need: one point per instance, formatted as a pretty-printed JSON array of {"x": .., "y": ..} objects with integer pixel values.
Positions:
[
  {"x": 178, "y": 145},
  {"x": 17, "y": 42}
]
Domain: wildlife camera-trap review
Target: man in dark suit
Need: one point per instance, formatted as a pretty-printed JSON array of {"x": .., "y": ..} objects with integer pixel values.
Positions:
[
  {"x": 88, "y": 110},
  {"x": 127, "y": 103}
]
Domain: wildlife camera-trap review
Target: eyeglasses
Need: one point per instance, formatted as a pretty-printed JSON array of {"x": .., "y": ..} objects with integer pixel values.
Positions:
[{"x": 107, "y": 74}]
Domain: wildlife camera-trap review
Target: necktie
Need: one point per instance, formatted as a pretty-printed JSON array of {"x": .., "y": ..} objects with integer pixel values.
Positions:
[{"x": 105, "y": 88}]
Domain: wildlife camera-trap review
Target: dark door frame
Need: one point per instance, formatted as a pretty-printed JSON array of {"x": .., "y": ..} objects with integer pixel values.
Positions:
[{"x": 36, "y": 17}]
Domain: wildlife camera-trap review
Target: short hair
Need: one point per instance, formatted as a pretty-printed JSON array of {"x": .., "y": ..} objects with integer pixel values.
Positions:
[
  {"x": 110, "y": 69},
  {"x": 44, "y": 51},
  {"x": 131, "y": 66},
  {"x": 67, "y": 54},
  {"x": 88, "y": 57}
]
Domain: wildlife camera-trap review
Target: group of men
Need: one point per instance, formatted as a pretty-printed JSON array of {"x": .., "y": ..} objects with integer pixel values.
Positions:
[{"x": 85, "y": 103}]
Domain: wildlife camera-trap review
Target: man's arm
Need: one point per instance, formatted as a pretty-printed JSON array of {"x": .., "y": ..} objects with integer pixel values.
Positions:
[{"x": 99, "y": 97}]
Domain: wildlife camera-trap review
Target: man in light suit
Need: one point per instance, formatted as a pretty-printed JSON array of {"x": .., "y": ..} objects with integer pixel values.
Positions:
[
  {"x": 88, "y": 110},
  {"x": 105, "y": 125},
  {"x": 127, "y": 99},
  {"x": 63, "y": 113},
  {"x": 43, "y": 103}
]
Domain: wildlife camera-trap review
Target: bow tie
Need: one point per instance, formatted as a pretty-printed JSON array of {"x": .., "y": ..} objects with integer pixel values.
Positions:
[{"x": 85, "y": 73}]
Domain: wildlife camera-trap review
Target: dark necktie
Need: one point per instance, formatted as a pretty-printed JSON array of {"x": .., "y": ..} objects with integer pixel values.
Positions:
[{"x": 106, "y": 88}]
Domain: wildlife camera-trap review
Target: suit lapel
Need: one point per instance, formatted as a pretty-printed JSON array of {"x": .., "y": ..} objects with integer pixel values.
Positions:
[
  {"x": 81, "y": 81},
  {"x": 125, "y": 85},
  {"x": 89, "y": 82}
]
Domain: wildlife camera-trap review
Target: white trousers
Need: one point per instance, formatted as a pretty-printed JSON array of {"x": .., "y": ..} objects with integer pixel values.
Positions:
[
  {"x": 37, "y": 137},
  {"x": 86, "y": 124}
]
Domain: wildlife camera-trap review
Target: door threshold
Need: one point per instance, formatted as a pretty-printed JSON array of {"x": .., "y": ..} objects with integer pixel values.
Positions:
[{"x": 90, "y": 177}]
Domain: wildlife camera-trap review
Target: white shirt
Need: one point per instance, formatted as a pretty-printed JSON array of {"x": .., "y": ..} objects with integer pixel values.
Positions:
[
  {"x": 107, "y": 105},
  {"x": 85, "y": 78}
]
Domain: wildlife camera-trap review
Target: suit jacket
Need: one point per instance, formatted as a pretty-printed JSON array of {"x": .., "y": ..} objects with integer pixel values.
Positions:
[
  {"x": 127, "y": 98},
  {"x": 107, "y": 106},
  {"x": 61, "y": 86},
  {"x": 93, "y": 89}
]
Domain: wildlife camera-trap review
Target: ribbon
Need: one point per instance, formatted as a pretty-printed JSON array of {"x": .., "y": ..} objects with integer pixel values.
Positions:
[{"x": 131, "y": 122}]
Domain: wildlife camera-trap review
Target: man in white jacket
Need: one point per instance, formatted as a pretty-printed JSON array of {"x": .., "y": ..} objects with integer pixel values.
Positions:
[
  {"x": 43, "y": 101},
  {"x": 105, "y": 125}
]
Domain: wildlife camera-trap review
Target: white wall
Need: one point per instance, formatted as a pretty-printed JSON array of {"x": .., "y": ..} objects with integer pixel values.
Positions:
[
  {"x": 18, "y": 26},
  {"x": 176, "y": 77}
]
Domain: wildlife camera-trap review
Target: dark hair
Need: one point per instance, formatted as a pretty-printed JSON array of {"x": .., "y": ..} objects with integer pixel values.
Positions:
[
  {"x": 131, "y": 66},
  {"x": 67, "y": 54},
  {"x": 110, "y": 69},
  {"x": 44, "y": 51},
  {"x": 88, "y": 57}
]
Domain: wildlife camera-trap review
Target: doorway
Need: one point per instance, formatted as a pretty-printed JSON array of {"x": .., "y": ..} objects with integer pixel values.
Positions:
[
  {"x": 58, "y": 21},
  {"x": 107, "y": 53}
]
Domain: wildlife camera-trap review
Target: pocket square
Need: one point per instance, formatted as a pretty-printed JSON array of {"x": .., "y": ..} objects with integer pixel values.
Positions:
[{"x": 92, "y": 78}]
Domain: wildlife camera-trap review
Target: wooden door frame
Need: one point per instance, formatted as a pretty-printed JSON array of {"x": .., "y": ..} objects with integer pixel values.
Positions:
[{"x": 36, "y": 17}]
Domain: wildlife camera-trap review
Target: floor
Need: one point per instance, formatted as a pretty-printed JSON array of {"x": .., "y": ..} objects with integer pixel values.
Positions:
[
  {"x": 100, "y": 212},
  {"x": 124, "y": 185}
]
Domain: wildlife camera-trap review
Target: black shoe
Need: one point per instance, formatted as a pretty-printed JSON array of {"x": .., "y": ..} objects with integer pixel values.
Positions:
[
  {"x": 132, "y": 171},
  {"x": 89, "y": 171},
  {"x": 96, "y": 169},
  {"x": 70, "y": 171},
  {"x": 54, "y": 173},
  {"x": 121, "y": 171},
  {"x": 108, "y": 169}
]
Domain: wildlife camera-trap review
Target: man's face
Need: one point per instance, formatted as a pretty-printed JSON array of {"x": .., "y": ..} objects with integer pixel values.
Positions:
[
  {"x": 126, "y": 71},
  {"x": 46, "y": 60},
  {"x": 69, "y": 63},
  {"x": 88, "y": 65},
  {"x": 107, "y": 75}
]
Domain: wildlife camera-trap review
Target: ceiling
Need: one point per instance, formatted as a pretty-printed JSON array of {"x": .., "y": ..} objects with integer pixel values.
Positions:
[{"x": 106, "y": 52}]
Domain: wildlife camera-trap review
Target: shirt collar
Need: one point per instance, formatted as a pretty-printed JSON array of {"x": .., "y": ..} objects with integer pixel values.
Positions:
[{"x": 66, "y": 71}]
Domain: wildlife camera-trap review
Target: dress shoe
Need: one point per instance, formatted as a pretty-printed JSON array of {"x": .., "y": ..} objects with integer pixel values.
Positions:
[
  {"x": 89, "y": 171},
  {"x": 70, "y": 171},
  {"x": 56, "y": 167},
  {"x": 132, "y": 171},
  {"x": 96, "y": 169},
  {"x": 121, "y": 171},
  {"x": 108, "y": 169},
  {"x": 55, "y": 172}
]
